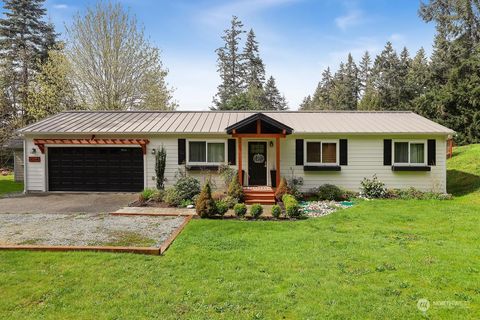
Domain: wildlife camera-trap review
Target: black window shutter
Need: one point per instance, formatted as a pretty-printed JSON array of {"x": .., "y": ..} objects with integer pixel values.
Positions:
[
  {"x": 181, "y": 151},
  {"x": 232, "y": 149},
  {"x": 387, "y": 152},
  {"x": 431, "y": 152},
  {"x": 299, "y": 152},
  {"x": 343, "y": 152}
]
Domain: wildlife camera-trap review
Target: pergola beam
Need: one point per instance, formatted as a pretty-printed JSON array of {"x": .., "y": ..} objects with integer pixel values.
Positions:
[{"x": 40, "y": 143}]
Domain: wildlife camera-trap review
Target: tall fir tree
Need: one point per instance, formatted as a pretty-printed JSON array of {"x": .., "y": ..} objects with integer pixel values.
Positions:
[
  {"x": 306, "y": 103},
  {"x": 230, "y": 65},
  {"x": 364, "y": 72},
  {"x": 254, "y": 69},
  {"x": 322, "y": 97},
  {"x": 25, "y": 38},
  {"x": 275, "y": 100}
]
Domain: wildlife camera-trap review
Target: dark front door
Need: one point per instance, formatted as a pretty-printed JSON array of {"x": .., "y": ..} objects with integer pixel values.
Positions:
[
  {"x": 95, "y": 169},
  {"x": 257, "y": 163}
]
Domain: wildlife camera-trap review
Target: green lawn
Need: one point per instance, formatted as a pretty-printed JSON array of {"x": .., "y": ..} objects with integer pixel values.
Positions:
[
  {"x": 7, "y": 185},
  {"x": 371, "y": 261}
]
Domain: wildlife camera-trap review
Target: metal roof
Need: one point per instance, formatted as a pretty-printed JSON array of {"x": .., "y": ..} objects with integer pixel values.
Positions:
[{"x": 121, "y": 122}]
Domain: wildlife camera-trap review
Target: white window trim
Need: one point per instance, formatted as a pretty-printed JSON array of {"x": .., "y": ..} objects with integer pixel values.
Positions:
[
  {"x": 207, "y": 141},
  {"x": 409, "y": 164},
  {"x": 337, "y": 150}
]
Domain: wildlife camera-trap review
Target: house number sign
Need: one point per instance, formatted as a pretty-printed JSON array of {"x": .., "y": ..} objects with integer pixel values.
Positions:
[
  {"x": 33, "y": 159},
  {"x": 258, "y": 158}
]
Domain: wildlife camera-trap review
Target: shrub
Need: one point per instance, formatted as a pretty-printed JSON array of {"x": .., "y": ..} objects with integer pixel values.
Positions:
[
  {"x": 276, "y": 211},
  {"x": 187, "y": 187},
  {"x": 230, "y": 201},
  {"x": 147, "y": 193},
  {"x": 185, "y": 203},
  {"x": 172, "y": 197},
  {"x": 221, "y": 207},
  {"x": 160, "y": 162},
  {"x": 235, "y": 190},
  {"x": 330, "y": 192},
  {"x": 412, "y": 193},
  {"x": 373, "y": 188},
  {"x": 281, "y": 189},
  {"x": 291, "y": 206},
  {"x": 158, "y": 195},
  {"x": 256, "y": 210},
  {"x": 217, "y": 195},
  {"x": 227, "y": 174},
  {"x": 240, "y": 209},
  {"x": 293, "y": 185},
  {"x": 205, "y": 205}
]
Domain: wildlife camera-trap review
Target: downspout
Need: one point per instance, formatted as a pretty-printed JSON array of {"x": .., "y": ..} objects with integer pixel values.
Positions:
[{"x": 25, "y": 165}]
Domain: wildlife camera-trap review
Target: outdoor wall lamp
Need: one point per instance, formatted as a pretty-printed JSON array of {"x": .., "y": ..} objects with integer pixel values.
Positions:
[
  {"x": 34, "y": 151},
  {"x": 271, "y": 144},
  {"x": 153, "y": 151}
]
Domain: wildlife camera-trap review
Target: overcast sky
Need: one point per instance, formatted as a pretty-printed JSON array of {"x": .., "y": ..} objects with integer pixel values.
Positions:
[{"x": 298, "y": 38}]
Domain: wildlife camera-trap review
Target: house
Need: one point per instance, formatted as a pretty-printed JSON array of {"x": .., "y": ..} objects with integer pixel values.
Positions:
[
  {"x": 15, "y": 146},
  {"x": 115, "y": 150}
]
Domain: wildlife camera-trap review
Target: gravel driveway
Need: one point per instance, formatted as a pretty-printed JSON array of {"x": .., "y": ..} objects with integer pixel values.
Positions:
[
  {"x": 86, "y": 229},
  {"x": 66, "y": 202}
]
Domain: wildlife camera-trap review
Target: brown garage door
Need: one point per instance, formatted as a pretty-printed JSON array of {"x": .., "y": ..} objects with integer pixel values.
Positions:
[{"x": 95, "y": 169}]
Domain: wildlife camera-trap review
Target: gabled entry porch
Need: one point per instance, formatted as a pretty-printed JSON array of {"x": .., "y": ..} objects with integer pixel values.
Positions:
[{"x": 258, "y": 148}]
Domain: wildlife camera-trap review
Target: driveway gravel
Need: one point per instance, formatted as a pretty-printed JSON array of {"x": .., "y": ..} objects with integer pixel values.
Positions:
[
  {"x": 86, "y": 229},
  {"x": 66, "y": 202}
]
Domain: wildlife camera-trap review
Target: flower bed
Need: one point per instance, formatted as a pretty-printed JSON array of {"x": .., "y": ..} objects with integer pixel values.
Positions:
[{"x": 322, "y": 208}]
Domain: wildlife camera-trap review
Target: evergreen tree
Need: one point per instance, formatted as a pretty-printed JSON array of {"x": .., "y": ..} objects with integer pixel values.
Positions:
[
  {"x": 351, "y": 84},
  {"x": 230, "y": 65},
  {"x": 254, "y": 69},
  {"x": 322, "y": 97},
  {"x": 418, "y": 76},
  {"x": 405, "y": 94},
  {"x": 306, "y": 103},
  {"x": 275, "y": 101},
  {"x": 364, "y": 73},
  {"x": 386, "y": 79},
  {"x": 25, "y": 39}
]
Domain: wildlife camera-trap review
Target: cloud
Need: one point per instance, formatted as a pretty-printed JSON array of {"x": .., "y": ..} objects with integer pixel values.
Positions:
[
  {"x": 218, "y": 14},
  {"x": 60, "y": 6},
  {"x": 352, "y": 18}
]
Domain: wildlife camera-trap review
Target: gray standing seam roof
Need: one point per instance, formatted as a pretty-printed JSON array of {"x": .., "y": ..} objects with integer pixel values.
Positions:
[{"x": 348, "y": 122}]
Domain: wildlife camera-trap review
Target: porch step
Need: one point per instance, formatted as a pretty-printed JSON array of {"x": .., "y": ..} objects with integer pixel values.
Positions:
[
  {"x": 260, "y": 201},
  {"x": 261, "y": 195}
]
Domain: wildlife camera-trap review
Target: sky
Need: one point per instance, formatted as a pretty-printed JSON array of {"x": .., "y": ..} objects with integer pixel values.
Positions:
[{"x": 297, "y": 38}]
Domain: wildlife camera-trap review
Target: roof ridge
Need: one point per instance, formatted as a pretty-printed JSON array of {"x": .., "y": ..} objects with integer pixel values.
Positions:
[{"x": 237, "y": 111}]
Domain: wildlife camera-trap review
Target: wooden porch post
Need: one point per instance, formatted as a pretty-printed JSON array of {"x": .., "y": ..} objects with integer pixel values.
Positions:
[
  {"x": 277, "y": 160},
  {"x": 240, "y": 158}
]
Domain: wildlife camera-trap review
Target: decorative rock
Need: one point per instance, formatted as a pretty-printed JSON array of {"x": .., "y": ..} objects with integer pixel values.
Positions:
[
  {"x": 190, "y": 206},
  {"x": 322, "y": 208}
]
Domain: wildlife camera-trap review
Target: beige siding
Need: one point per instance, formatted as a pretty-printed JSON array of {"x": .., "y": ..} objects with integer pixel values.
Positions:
[
  {"x": 36, "y": 171},
  {"x": 365, "y": 158}
]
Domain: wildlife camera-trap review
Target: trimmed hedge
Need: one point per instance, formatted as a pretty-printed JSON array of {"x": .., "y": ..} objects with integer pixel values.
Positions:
[
  {"x": 276, "y": 211},
  {"x": 291, "y": 206},
  {"x": 240, "y": 209},
  {"x": 256, "y": 210}
]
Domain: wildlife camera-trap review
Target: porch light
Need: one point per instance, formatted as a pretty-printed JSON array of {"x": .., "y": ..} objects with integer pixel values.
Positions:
[
  {"x": 271, "y": 144},
  {"x": 34, "y": 151},
  {"x": 153, "y": 151}
]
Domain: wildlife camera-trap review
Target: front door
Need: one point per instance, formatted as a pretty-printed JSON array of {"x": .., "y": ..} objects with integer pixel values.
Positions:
[{"x": 257, "y": 163}]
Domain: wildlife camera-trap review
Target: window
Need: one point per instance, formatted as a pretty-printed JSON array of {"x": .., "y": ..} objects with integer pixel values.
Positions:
[
  {"x": 409, "y": 152},
  {"x": 321, "y": 152},
  {"x": 206, "y": 152}
]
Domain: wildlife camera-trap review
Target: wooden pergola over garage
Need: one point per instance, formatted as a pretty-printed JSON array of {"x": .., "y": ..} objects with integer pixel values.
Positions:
[
  {"x": 40, "y": 143},
  {"x": 259, "y": 125}
]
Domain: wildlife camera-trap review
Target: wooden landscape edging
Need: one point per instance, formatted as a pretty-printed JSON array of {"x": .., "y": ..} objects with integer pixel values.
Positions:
[
  {"x": 152, "y": 214},
  {"x": 174, "y": 235},
  {"x": 139, "y": 250}
]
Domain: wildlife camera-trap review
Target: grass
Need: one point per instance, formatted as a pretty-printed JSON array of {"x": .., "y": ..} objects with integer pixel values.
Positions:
[
  {"x": 374, "y": 260},
  {"x": 7, "y": 185}
]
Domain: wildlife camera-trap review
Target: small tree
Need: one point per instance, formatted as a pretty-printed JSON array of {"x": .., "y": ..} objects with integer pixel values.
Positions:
[
  {"x": 160, "y": 162},
  {"x": 235, "y": 190},
  {"x": 205, "y": 205}
]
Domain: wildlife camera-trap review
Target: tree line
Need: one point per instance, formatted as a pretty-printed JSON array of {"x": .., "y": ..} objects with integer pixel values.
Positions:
[
  {"x": 242, "y": 72},
  {"x": 444, "y": 87}
]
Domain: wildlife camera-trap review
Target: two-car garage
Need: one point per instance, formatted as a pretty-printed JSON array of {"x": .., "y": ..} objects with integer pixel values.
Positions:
[{"x": 114, "y": 169}]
